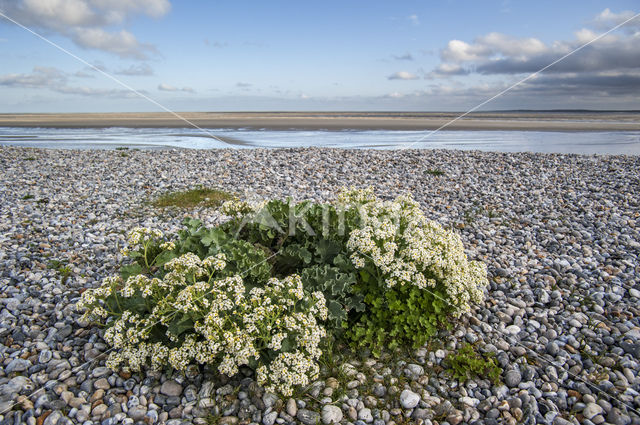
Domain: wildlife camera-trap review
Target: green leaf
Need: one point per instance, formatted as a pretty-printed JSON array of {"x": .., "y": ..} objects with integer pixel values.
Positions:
[
  {"x": 364, "y": 275},
  {"x": 343, "y": 263},
  {"x": 336, "y": 310},
  {"x": 130, "y": 270},
  {"x": 288, "y": 344},
  {"x": 214, "y": 236},
  {"x": 180, "y": 325},
  {"x": 192, "y": 223},
  {"x": 327, "y": 250},
  {"x": 164, "y": 258}
]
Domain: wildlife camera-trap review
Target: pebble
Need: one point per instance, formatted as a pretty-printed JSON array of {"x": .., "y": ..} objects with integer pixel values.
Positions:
[
  {"x": 171, "y": 388},
  {"x": 512, "y": 378},
  {"x": 413, "y": 371},
  {"x": 365, "y": 415},
  {"x": 308, "y": 417},
  {"x": 409, "y": 399},
  {"x": 292, "y": 408},
  {"x": 331, "y": 414},
  {"x": 270, "y": 418},
  {"x": 591, "y": 410},
  {"x": 512, "y": 330}
]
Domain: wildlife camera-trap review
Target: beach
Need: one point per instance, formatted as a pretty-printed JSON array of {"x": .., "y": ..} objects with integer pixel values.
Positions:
[
  {"x": 537, "y": 121},
  {"x": 560, "y": 235}
]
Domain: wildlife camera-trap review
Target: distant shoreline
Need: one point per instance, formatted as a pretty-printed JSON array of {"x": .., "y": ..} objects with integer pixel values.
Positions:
[{"x": 511, "y": 120}]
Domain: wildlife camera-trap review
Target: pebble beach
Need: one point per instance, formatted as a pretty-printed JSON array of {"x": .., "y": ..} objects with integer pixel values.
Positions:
[{"x": 560, "y": 235}]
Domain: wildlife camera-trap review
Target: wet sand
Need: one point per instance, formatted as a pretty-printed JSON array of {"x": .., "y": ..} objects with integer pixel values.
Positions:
[{"x": 538, "y": 121}]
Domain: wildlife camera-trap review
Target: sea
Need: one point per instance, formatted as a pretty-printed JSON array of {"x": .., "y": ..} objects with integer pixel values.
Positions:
[{"x": 593, "y": 142}]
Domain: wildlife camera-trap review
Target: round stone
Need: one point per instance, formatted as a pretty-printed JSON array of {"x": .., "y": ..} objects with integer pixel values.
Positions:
[
  {"x": 512, "y": 378},
  {"x": 409, "y": 399},
  {"x": 331, "y": 414},
  {"x": 591, "y": 410}
]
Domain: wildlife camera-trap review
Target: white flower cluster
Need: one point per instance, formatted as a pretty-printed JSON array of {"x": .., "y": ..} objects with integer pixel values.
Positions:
[
  {"x": 238, "y": 209},
  {"x": 187, "y": 264},
  {"x": 277, "y": 321},
  {"x": 140, "y": 238},
  {"x": 396, "y": 239},
  {"x": 169, "y": 246},
  {"x": 217, "y": 262}
]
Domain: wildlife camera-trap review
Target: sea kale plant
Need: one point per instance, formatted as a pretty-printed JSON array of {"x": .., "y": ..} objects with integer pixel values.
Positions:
[
  {"x": 413, "y": 273},
  {"x": 262, "y": 289},
  {"x": 193, "y": 310}
]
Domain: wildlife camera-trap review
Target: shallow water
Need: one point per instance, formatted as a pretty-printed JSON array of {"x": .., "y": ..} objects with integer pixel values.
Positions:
[{"x": 601, "y": 142}]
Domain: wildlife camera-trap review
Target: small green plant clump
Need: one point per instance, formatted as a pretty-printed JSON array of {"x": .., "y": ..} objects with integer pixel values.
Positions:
[
  {"x": 62, "y": 268},
  {"x": 434, "y": 172},
  {"x": 199, "y": 197},
  {"x": 266, "y": 287},
  {"x": 468, "y": 363}
]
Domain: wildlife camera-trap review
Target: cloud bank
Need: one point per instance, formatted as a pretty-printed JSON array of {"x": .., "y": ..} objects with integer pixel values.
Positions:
[
  {"x": 167, "y": 87},
  {"x": 402, "y": 75},
  {"x": 58, "y": 81},
  {"x": 89, "y": 23},
  {"x": 607, "y": 67}
]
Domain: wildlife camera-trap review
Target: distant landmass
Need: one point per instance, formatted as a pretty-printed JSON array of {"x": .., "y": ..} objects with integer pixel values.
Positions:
[{"x": 538, "y": 120}]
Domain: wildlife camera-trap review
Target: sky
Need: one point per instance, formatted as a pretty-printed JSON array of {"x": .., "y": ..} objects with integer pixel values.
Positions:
[{"x": 355, "y": 55}]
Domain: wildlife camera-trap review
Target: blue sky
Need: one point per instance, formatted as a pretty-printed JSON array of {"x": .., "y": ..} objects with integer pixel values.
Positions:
[{"x": 330, "y": 55}]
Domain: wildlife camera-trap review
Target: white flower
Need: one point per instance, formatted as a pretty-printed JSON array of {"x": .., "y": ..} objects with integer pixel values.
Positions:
[
  {"x": 396, "y": 238},
  {"x": 169, "y": 246}
]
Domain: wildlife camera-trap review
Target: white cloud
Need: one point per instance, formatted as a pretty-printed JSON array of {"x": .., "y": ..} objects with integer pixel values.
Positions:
[
  {"x": 136, "y": 70},
  {"x": 89, "y": 23},
  {"x": 91, "y": 91},
  {"x": 490, "y": 45},
  {"x": 57, "y": 81},
  {"x": 586, "y": 35},
  {"x": 123, "y": 43},
  {"x": 606, "y": 68},
  {"x": 402, "y": 75},
  {"x": 511, "y": 46},
  {"x": 446, "y": 70},
  {"x": 459, "y": 51},
  {"x": 607, "y": 19},
  {"x": 119, "y": 10},
  {"x": 414, "y": 19},
  {"x": 40, "y": 77},
  {"x": 168, "y": 87},
  {"x": 497, "y": 53}
]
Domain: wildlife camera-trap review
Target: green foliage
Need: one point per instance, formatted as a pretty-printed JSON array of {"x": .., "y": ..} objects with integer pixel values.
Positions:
[
  {"x": 337, "y": 287},
  {"x": 198, "y": 197},
  {"x": 434, "y": 172},
  {"x": 400, "y": 316},
  {"x": 374, "y": 273},
  {"x": 242, "y": 257},
  {"x": 62, "y": 268},
  {"x": 307, "y": 239},
  {"x": 468, "y": 363}
]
